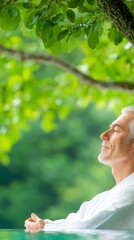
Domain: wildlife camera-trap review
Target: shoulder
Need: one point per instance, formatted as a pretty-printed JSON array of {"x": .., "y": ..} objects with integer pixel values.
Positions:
[{"x": 125, "y": 195}]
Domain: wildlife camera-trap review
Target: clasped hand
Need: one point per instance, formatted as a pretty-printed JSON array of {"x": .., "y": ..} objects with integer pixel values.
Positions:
[{"x": 34, "y": 224}]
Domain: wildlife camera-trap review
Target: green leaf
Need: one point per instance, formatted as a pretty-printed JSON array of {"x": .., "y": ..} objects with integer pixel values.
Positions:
[
  {"x": 73, "y": 3},
  {"x": 62, "y": 34},
  {"x": 77, "y": 32},
  {"x": 81, "y": 8},
  {"x": 52, "y": 42},
  {"x": 95, "y": 31},
  {"x": 32, "y": 18},
  {"x": 13, "y": 11},
  {"x": 59, "y": 17},
  {"x": 27, "y": 5},
  {"x": 56, "y": 47},
  {"x": 115, "y": 35},
  {"x": 10, "y": 18},
  {"x": 89, "y": 6},
  {"x": 71, "y": 15},
  {"x": 44, "y": 31},
  {"x": 47, "y": 30},
  {"x": 90, "y": 2},
  {"x": 43, "y": 3}
]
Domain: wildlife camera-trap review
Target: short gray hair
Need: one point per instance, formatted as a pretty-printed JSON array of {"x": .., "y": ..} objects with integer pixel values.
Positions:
[{"x": 129, "y": 109}]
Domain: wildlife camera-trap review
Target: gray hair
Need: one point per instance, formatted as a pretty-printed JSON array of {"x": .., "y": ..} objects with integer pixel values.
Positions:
[{"x": 129, "y": 109}]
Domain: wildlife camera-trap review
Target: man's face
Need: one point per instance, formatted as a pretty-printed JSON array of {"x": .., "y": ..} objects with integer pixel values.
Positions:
[{"x": 115, "y": 147}]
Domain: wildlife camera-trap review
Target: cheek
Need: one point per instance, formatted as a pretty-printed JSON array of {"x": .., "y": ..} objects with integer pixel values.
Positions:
[
  {"x": 124, "y": 147},
  {"x": 119, "y": 145}
]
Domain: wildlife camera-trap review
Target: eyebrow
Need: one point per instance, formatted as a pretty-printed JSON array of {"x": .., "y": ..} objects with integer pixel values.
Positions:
[{"x": 116, "y": 125}]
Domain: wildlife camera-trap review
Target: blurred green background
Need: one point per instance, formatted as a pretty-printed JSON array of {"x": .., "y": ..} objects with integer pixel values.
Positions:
[{"x": 52, "y": 173}]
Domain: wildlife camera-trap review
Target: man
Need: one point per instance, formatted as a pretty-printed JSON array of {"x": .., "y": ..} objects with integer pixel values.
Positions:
[{"x": 113, "y": 209}]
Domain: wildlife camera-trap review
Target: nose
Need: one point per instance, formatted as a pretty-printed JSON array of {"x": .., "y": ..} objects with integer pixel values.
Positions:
[{"x": 105, "y": 135}]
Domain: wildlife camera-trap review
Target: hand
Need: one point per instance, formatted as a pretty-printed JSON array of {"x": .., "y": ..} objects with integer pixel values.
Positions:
[{"x": 34, "y": 224}]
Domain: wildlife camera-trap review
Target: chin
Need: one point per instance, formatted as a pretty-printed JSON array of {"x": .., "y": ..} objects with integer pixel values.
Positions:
[
  {"x": 103, "y": 160},
  {"x": 100, "y": 158}
]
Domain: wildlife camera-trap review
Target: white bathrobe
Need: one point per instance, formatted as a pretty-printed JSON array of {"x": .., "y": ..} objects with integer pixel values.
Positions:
[{"x": 113, "y": 209}]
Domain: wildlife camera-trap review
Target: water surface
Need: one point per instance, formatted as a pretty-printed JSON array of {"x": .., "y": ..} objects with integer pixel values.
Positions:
[{"x": 7, "y": 234}]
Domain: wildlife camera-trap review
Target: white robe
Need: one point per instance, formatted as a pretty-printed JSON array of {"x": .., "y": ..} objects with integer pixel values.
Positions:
[{"x": 113, "y": 209}]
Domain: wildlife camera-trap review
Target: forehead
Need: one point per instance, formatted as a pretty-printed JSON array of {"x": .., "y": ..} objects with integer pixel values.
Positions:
[{"x": 124, "y": 119}]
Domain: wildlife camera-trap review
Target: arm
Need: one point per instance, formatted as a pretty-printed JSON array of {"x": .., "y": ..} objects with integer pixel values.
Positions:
[
  {"x": 116, "y": 218},
  {"x": 117, "y": 213}
]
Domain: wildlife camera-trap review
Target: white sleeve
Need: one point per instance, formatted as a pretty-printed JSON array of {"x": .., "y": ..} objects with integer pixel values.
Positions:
[
  {"x": 119, "y": 215},
  {"x": 73, "y": 221},
  {"x": 116, "y": 219}
]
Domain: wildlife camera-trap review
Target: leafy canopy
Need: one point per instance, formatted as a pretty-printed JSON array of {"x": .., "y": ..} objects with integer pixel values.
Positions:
[
  {"x": 60, "y": 21},
  {"x": 78, "y": 32}
]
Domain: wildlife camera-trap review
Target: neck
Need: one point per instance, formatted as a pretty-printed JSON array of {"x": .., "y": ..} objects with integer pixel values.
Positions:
[{"x": 121, "y": 172}]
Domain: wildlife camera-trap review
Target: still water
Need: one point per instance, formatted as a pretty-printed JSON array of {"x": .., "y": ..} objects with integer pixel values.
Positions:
[{"x": 6, "y": 234}]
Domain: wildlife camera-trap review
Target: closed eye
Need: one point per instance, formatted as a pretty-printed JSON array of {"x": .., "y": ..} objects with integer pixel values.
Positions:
[{"x": 116, "y": 130}]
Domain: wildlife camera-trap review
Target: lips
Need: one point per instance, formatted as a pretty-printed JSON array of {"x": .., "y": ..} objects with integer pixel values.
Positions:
[{"x": 103, "y": 146}]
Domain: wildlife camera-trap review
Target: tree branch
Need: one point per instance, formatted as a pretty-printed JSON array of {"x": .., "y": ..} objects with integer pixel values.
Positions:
[
  {"x": 119, "y": 13},
  {"x": 125, "y": 86}
]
